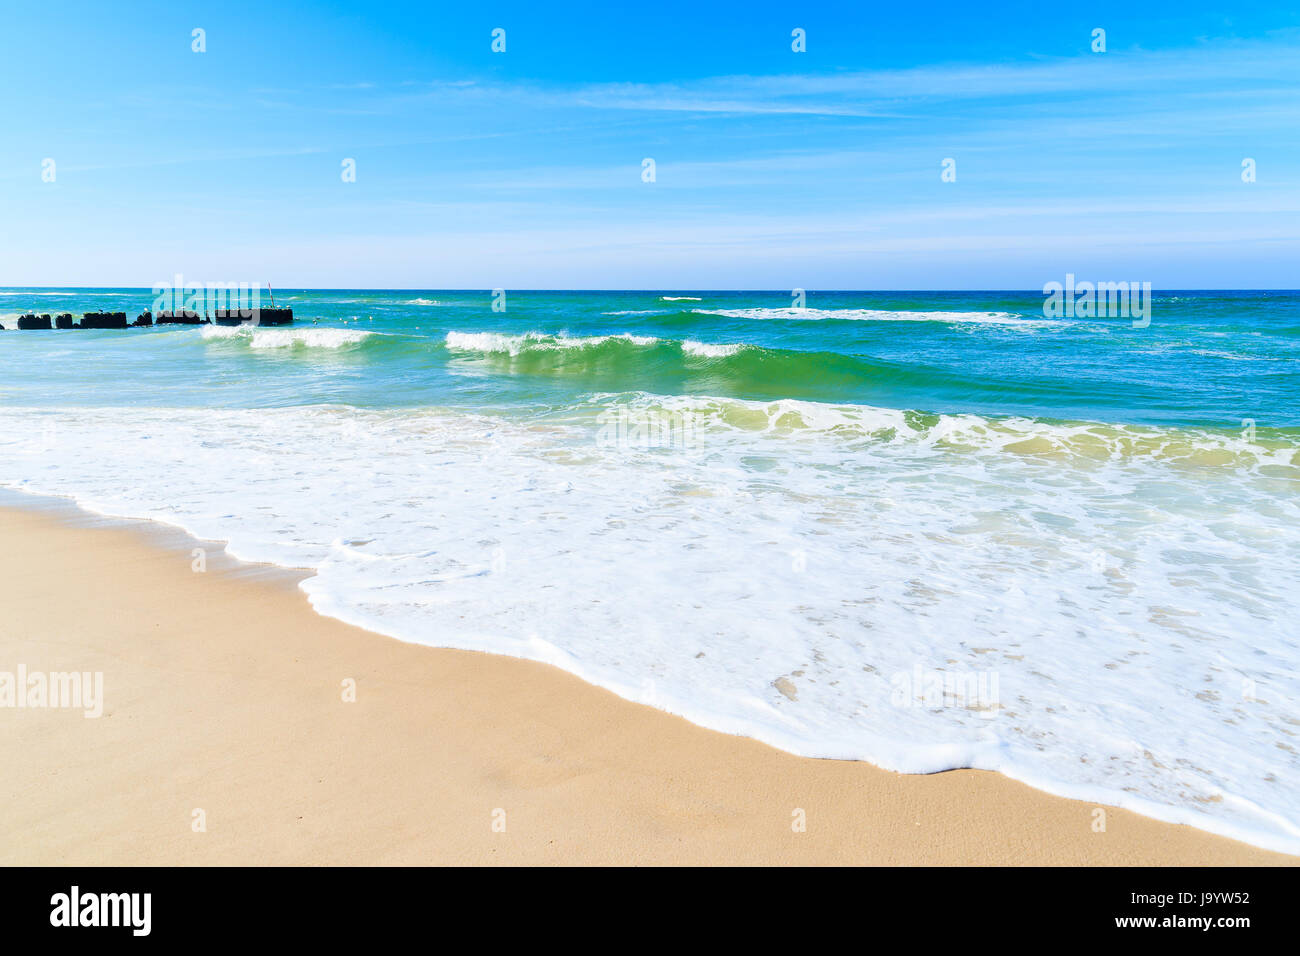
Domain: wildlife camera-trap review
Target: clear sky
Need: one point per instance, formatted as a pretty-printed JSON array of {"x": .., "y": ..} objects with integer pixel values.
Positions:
[{"x": 774, "y": 169}]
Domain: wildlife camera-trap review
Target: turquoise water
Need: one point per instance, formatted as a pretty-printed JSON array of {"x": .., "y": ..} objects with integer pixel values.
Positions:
[
  {"x": 927, "y": 529},
  {"x": 1208, "y": 358}
]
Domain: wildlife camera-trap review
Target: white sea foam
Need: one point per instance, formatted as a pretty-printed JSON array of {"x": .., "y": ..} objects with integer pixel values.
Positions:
[
  {"x": 709, "y": 350},
  {"x": 679, "y": 298},
  {"x": 499, "y": 342},
  {"x": 881, "y": 315},
  {"x": 265, "y": 338},
  {"x": 782, "y": 576}
]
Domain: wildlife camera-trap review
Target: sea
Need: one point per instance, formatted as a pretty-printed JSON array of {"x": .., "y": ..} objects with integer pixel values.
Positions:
[{"x": 927, "y": 530}]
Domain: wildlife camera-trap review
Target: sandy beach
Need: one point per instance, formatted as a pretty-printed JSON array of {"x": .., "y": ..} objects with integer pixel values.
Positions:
[{"x": 226, "y": 738}]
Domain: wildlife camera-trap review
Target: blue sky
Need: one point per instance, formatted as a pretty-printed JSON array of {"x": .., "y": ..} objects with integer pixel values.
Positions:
[{"x": 774, "y": 169}]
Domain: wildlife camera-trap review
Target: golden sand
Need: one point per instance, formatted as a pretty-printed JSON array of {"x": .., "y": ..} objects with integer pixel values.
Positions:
[{"x": 226, "y": 738}]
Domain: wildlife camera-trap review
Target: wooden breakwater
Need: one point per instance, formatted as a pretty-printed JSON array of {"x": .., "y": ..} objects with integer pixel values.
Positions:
[{"x": 117, "y": 320}]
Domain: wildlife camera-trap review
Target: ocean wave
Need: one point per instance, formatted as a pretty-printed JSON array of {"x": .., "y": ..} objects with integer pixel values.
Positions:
[
  {"x": 881, "y": 315},
  {"x": 679, "y": 298},
  {"x": 262, "y": 338},
  {"x": 1272, "y": 452},
  {"x": 500, "y": 342},
  {"x": 608, "y": 362}
]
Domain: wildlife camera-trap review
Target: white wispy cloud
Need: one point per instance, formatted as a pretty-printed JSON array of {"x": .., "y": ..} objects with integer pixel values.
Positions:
[{"x": 1210, "y": 67}]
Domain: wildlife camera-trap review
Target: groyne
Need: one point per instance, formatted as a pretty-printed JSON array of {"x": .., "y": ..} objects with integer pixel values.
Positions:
[{"x": 118, "y": 320}]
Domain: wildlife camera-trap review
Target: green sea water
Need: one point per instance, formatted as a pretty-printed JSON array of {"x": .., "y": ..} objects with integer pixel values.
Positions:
[
  {"x": 787, "y": 522},
  {"x": 1207, "y": 358}
]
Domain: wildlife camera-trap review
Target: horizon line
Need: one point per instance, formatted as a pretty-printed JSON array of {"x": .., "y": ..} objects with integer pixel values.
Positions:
[{"x": 783, "y": 292}]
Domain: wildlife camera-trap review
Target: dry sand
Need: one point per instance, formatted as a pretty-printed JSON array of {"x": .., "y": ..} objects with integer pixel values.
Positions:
[{"x": 224, "y": 693}]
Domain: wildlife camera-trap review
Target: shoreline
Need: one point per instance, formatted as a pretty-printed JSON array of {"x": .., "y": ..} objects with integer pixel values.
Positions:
[{"x": 223, "y": 694}]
